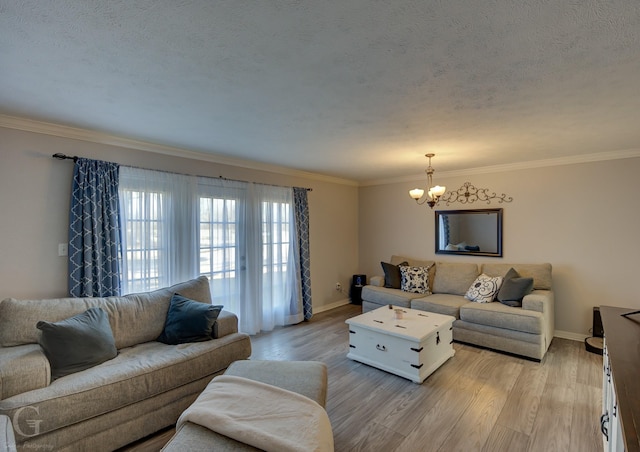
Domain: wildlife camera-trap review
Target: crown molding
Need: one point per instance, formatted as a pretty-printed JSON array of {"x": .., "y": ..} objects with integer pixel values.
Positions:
[
  {"x": 570, "y": 160},
  {"x": 58, "y": 130},
  {"x": 46, "y": 128}
]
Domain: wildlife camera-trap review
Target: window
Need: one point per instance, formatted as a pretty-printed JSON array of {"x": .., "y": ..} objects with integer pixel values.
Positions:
[
  {"x": 237, "y": 234},
  {"x": 142, "y": 230},
  {"x": 218, "y": 246},
  {"x": 275, "y": 237}
]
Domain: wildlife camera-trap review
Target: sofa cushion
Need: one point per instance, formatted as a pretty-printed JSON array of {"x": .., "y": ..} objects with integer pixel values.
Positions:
[
  {"x": 77, "y": 343},
  {"x": 484, "y": 289},
  {"x": 308, "y": 378},
  {"x": 505, "y": 335},
  {"x": 454, "y": 278},
  {"x": 396, "y": 260},
  {"x": 501, "y": 316},
  {"x": 136, "y": 374},
  {"x": 194, "y": 289},
  {"x": 134, "y": 318},
  {"x": 383, "y": 296},
  {"x": 188, "y": 321},
  {"x": 392, "y": 277},
  {"x": 440, "y": 303},
  {"x": 414, "y": 279},
  {"x": 514, "y": 288},
  {"x": 541, "y": 273}
]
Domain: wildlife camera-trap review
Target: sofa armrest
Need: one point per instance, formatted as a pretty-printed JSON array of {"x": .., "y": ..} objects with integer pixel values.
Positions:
[
  {"x": 376, "y": 281},
  {"x": 542, "y": 301},
  {"x": 7, "y": 438},
  {"x": 226, "y": 323},
  {"x": 23, "y": 368},
  {"x": 538, "y": 300}
]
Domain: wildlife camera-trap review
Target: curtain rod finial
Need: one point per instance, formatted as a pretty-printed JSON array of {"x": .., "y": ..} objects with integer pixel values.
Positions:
[{"x": 61, "y": 156}]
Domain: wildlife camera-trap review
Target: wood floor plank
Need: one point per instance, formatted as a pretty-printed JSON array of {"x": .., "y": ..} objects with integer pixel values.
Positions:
[
  {"x": 504, "y": 439},
  {"x": 562, "y": 361},
  {"x": 479, "y": 419},
  {"x": 589, "y": 368},
  {"x": 587, "y": 405},
  {"x": 552, "y": 427},
  {"x": 376, "y": 437},
  {"x": 411, "y": 406},
  {"x": 441, "y": 420},
  {"x": 519, "y": 412}
]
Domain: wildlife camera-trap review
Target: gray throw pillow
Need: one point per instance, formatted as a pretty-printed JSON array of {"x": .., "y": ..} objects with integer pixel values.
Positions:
[
  {"x": 77, "y": 343},
  {"x": 392, "y": 277},
  {"x": 514, "y": 289},
  {"x": 189, "y": 321}
]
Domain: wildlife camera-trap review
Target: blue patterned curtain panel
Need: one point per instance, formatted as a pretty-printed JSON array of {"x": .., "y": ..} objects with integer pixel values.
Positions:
[
  {"x": 94, "y": 230},
  {"x": 301, "y": 207}
]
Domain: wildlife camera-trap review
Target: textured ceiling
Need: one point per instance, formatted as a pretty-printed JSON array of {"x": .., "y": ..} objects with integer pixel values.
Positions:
[{"x": 352, "y": 88}]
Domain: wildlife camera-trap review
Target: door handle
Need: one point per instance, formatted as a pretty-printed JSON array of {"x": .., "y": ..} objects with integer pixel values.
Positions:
[{"x": 604, "y": 419}]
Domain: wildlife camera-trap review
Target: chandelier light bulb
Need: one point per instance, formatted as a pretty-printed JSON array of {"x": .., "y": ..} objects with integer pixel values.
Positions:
[
  {"x": 437, "y": 191},
  {"x": 416, "y": 193}
]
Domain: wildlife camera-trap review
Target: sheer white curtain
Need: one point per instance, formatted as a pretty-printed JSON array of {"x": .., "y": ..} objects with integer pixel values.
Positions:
[
  {"x": 256, "y": 275},
  {"x": 158, "y": 214},
  {"x": 276, "y": 279},
  {"x": 240, "y": 235}
]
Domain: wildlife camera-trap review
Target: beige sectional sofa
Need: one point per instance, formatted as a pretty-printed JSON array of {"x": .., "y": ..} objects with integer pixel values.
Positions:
[
  {"x": 525, "y": 331},
  {"x": 142, "y": 390}
]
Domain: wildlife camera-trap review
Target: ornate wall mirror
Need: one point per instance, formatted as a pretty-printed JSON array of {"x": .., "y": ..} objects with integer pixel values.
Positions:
[{"x": 469, "y": 232}]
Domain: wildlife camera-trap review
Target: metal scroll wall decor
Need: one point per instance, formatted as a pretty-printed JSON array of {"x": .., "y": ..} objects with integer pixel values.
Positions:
[{"x": 469, "y": 193}]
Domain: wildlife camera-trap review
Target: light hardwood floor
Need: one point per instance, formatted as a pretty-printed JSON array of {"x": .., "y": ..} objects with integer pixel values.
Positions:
[{"x": 479, "y": 400}]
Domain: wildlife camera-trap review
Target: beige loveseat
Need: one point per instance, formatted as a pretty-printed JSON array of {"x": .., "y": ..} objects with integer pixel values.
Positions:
[
  {"x": 525, "y": 331},
  {"x": 142, "y": 390}
]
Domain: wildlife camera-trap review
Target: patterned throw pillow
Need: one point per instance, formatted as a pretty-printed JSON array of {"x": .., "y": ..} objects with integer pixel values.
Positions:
[
  {"x": 414, "y": 279},
  {"x": 484, "y": 289}
]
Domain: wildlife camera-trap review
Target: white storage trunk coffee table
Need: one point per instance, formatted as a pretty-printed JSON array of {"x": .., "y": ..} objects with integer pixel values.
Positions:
[{"x": 412, "y": 347}]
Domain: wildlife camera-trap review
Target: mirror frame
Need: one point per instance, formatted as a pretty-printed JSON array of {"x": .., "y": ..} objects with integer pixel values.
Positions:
[{"x": 498, "y": 253}]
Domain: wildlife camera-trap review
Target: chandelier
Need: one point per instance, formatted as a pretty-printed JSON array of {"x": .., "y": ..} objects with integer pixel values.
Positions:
[{"x": 434, "y": 192}]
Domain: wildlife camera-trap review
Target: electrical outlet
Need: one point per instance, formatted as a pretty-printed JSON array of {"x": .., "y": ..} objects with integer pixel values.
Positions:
[
  {"x": 63, "y": 249},
  {"x": 338, "y": 286}
]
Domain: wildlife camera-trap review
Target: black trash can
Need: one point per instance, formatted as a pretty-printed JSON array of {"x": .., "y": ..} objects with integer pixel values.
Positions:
[{"x": 355, "y": 292}]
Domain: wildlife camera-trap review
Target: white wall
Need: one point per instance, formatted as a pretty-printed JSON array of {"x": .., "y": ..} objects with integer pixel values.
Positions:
[
  {"x": 34, "y": 211},
  {"x": 582, "y": 218}
]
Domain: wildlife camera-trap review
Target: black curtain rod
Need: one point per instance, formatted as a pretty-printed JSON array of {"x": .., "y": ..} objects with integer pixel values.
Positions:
[{"x": 61, "y": 156}]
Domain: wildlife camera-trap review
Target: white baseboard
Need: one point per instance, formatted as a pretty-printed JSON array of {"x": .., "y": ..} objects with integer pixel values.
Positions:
[
  {"x": 328, "y": 307},
  {"x": 571, "y": 336}
]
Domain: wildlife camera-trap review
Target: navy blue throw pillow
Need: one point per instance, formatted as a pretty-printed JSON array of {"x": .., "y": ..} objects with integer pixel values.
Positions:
[{"x": 188, "y": 321}]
